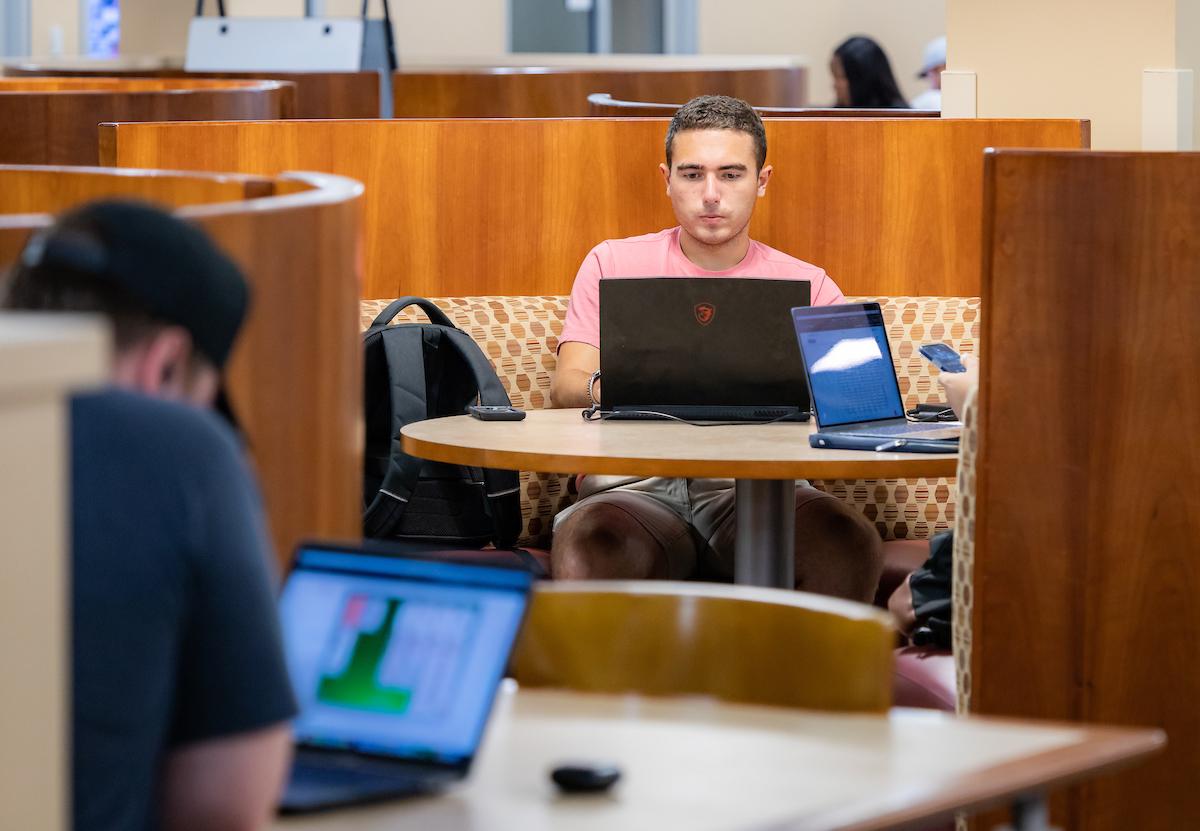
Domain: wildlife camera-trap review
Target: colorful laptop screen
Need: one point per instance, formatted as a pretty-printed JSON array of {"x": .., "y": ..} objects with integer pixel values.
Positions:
[{"x": 397, "y": 657}]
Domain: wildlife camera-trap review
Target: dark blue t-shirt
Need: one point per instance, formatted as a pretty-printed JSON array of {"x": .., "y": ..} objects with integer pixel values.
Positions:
[{"x": 176, "y": 634}]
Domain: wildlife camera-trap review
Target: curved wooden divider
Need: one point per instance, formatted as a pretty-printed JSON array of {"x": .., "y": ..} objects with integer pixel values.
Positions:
[
  {"x": 603, "y": 105},
  {"x": 318, "y": 94},
  {"x": 560, "y": 92},
  {"x": 511, "y": 207},
  {"x": 54, "y": 120},
  {"x": 295, "y": 379}
]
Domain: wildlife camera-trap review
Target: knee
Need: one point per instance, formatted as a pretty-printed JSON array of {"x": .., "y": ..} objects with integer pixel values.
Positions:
[
  {"x": 838, "y": 550},
  {"x": 839, "y": 529},
  {"x": 599, "y": 541}
]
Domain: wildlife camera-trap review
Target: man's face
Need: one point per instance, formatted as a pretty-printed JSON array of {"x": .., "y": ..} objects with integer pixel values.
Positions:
[{"x": 713, "y": 183}]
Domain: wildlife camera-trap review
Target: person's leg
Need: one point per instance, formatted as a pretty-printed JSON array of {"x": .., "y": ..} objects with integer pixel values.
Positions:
[
  {"x": 620, "y": 534},
  {"x": 838, "y": 551}
]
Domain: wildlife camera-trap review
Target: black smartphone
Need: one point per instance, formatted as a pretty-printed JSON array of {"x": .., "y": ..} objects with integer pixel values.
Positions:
[
  {"x": 485, "y": 413},
  {"x": 943, "y": 357}
]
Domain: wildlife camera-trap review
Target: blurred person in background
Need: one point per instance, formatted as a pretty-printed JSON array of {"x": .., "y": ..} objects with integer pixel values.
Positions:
[
  {"x": 931, "y": 70},
  {"x": 862, "y": 76}
]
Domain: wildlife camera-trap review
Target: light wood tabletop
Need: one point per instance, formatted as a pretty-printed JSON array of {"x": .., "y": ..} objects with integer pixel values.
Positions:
[
  {"x": 560, "y": 441},
  {"x": 697, "y": 764}
]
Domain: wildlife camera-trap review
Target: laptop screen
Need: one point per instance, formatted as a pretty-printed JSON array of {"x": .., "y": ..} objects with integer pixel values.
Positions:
[
  {"x": 848, "y": 363},
  {"x": 397, "y": 657}
]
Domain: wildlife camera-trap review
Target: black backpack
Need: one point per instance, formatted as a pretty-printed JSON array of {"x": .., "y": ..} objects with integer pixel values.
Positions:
[{"x": 416, "y": 371}]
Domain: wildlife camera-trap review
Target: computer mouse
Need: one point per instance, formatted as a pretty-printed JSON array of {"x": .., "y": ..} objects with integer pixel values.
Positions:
[{"x": 585, "y": 777}]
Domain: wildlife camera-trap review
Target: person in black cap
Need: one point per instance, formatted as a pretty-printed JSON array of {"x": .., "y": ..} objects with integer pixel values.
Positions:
[
  {"x": 180, "y": 694},
  {"x": 175, "y": 301}
]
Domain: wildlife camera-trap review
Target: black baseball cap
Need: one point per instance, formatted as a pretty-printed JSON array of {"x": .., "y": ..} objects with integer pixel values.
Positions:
[
  {"x": 165, "y": 264},
  {"x": 169, "y": 267}
]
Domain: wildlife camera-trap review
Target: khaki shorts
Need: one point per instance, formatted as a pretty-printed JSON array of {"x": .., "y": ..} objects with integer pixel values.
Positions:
[{"x": 694, "y": 520}]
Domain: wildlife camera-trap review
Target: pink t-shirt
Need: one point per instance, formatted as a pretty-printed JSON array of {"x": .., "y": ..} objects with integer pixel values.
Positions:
[{"x": 659, "y": 255}]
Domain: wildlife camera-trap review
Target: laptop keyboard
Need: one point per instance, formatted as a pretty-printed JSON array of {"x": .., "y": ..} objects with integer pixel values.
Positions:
[
  {"x": 312, "y": 785},
  {"x": 909, "y": 430}
]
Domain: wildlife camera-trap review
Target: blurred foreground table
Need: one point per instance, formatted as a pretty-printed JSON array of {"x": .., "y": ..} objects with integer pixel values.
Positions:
[{"x": 699, "y": 764}]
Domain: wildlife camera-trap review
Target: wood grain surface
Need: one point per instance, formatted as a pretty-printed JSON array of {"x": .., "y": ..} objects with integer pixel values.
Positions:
[
  {"x": 295, "y": 377},
  {"x": 318, "y": 94},
  {"x": 55, "y": 120},
  {"x": 705, "y": 765},
  {"x": 735, "y": 643},
  {"x": 560, "y": 441},
  {"x": 1086, "y": 577},
  {"x": 559, "y": 92},
  {"x": 604, "y": 105},
  {"x": 463, "y": 207}
]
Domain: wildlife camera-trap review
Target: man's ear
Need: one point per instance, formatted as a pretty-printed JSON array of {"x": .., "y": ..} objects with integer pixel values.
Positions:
[
  {"x": 666, "y": 173},
  {"x": 160, "y": 364},
  {"x": 764, "y": 176}
]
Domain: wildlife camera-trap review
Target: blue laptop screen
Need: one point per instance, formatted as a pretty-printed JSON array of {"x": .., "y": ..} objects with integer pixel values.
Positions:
[
  {"x": 848, "y": 363},
  {"x": 397, "y": 657}
]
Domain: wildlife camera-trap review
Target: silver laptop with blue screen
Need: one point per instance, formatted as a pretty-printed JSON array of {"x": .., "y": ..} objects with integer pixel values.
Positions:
[
  {"x": 851, "y": 379},
  {"x": 395, "y": 663}
]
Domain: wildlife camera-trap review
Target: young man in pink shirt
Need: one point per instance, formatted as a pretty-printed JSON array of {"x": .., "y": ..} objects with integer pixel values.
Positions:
[{"x": 626, "y": 527}]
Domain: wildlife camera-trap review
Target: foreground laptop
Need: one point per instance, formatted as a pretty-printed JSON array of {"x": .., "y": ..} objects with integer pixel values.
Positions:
[
  {"x": 395, "y": 663},
  {"x": 701, "y": 348},
  {"x": 848, "y": 364}
]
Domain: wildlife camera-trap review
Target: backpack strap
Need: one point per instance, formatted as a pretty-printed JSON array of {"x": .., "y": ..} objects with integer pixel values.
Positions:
[
  {"x": 503, "y": 486},
  {"x": 394, "y": 308},
  {"x": 404, "y": 354}
]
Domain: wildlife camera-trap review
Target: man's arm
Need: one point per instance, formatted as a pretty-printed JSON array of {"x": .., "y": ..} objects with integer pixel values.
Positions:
[
  {"x": 576, "y": 363},
  {"x": 231, "y": 783}
]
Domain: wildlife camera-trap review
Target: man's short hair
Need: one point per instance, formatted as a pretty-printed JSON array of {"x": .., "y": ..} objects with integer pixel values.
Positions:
[{"x": 719, "y": 112}]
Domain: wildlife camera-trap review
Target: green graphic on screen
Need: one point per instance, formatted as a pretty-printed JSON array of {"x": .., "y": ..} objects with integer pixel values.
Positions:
[
  {"x": 403, "y": 657},
  {"x": 358, "y": 686}
]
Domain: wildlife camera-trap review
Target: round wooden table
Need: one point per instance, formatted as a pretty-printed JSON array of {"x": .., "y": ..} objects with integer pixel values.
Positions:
[{"x": 764, "y": 459}]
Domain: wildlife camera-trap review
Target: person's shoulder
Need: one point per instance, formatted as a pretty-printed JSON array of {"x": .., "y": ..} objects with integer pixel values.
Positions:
[
  {"x": 634, "y": 245},
  {"x": 154, "y": 424},
  {"x": 785, "y": 265}
]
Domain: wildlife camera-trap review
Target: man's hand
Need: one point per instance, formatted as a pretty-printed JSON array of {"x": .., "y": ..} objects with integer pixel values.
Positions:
[
  {"x": 958, "y": 384},
  {"x": 576, "y": 363}
]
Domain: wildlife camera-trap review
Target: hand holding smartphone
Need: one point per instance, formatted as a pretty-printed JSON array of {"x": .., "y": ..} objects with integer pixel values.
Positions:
[{"x": 943, "y": 357}]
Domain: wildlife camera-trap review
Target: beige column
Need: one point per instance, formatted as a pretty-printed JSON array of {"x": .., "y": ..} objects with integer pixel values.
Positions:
[
  {"x": 41, "y": 359},
  {"x": 1127, "y": 65}
]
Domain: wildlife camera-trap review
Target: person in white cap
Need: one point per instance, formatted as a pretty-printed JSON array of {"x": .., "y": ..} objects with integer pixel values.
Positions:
[{"x": 931, "y": 69}]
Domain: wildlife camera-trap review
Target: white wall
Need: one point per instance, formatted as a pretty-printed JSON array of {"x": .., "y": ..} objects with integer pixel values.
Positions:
[
  {"x": 1073, "y": 58},
  {"x": 813, "y": 28}
]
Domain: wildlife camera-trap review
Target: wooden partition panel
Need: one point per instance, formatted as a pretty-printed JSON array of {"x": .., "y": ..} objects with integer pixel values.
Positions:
[
  {"x": 54, "y": 120},
  {"x": 318, "y": 94},
  {"x": 558, "y": 92},
  {"x": 604, "y": 105},
  {"x": 457, "y": 207},
  {"x": 295, "y": 379},
  {"x": 1086, "y": 577}
]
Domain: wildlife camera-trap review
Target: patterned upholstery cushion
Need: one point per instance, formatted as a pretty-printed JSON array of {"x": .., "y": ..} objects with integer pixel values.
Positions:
[
  {"x": 520, "y": 336},
  {"x": 964, "y": 554}
]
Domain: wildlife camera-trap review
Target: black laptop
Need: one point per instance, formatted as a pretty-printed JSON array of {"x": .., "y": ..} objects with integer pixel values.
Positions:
[
  {"x": 701, "y": 348},
  {"x": 395, "y": 663}
]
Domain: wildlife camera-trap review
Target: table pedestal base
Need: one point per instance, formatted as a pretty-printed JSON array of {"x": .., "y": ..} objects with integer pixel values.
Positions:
[{"x": 766, "y": 533}]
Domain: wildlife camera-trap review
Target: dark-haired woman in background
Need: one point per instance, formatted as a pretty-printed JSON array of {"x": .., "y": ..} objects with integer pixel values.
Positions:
[{"x": 862, "y": 76}]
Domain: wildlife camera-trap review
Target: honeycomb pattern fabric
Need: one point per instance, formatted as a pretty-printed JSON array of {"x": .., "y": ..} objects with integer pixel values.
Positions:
[
  {"x": 520, "y": 337},
  {"x": 962, "y": 596}
]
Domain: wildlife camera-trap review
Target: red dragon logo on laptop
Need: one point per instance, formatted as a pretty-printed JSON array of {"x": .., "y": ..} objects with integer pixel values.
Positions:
[{"x": 705, "y": 312}]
